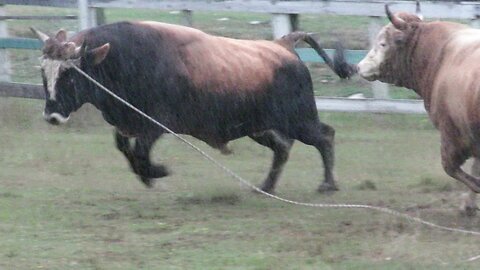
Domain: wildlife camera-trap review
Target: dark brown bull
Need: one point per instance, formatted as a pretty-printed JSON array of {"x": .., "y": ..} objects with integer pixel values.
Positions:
[
  {"x": 440, "y": 61},
  {"x": 214, "y": 88}
]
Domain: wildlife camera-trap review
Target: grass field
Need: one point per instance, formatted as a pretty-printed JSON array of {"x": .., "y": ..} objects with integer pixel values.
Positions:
[{"x": 69, "y": 201}]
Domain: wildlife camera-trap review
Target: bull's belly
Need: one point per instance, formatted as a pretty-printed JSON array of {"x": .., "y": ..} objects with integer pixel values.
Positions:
[
  {"x": 211, "y": 131},
  {"x": 221, "y": 134}
]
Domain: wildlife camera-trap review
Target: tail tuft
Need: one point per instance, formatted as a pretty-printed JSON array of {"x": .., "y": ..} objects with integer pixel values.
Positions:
[
  {"x": 338, "y": 65},
  {"x": 343, "y": 69}
]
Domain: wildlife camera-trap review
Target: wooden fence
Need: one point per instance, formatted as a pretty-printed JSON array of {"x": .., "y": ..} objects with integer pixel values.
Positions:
[
  {"x": 284, "y": 18},
  {"x": 8, "y": 89}
]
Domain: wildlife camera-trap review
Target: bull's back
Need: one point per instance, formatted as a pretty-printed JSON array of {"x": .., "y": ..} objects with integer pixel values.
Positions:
[
  {"x": 221, "y": 64},
  {"x": 211, "y": 63}
]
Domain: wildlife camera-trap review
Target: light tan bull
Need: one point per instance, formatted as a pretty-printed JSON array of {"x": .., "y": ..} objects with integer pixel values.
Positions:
[{"x": 440, "y": 61}]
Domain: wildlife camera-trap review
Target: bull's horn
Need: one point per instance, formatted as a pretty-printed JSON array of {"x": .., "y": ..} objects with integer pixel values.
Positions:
[
  {"x": 80, "y": 51},
  {"x": 42, "y": 36},
  {"x": 399, "y": 23}
]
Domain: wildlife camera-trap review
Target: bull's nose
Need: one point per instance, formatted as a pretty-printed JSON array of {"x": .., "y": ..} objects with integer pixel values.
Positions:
[
  {"x": 53, "y": 121},
  {"x": 50, "y": 119},
  {"x": 55, "y": 118},
  {"x": 364, "y": 73}
]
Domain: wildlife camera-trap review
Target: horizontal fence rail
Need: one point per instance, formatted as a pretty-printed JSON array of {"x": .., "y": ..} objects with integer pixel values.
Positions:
[
  {"x": 430, "y": 9},
  {"x": 23, "y": 90},
  {"x": 42, "y": 3},
  {"x": 40, "y": 17},
  {"x": 20, "y": 43},
  {"x": 35, "y": 91},
  {"x": 405, "y": 106}
]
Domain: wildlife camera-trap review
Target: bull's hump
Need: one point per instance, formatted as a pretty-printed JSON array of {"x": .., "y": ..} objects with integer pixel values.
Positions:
[
  {"x": 221, "y": 64},
  {"x": 466, "y": 37},
  {"x": 225, "y": 64},
  {"x": 462, "y": 49},
  {"x": 173, "y": 29}
]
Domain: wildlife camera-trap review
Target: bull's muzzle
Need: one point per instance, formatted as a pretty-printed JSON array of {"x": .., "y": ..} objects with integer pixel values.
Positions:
[
  {"x": 366, "y": 71},
  {"x": 55, "y": 118}
]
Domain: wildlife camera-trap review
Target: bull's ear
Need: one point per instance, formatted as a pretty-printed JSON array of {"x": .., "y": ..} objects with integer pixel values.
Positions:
[
  {"x": 98, "y": 54},
  {"x": 61, "y": 35}
]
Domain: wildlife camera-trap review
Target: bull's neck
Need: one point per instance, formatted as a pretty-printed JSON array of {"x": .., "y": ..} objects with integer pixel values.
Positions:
[{"x": 423, "y": 58}]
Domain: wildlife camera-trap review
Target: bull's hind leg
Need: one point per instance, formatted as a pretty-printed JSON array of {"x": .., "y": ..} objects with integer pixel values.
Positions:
[
  {"x": 322, "y": 137},
  {"x": 139, "y": 157},
  {"x": 468, "y": 200},
  {"x": 281, "y": 148},
  {"x": 453, "y": 157}
]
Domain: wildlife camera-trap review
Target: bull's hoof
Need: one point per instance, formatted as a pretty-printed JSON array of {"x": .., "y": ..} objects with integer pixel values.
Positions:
[
  {"x": 470, "y": 211},
  {"x": 468, "y": 206},
  {"x": 148, "y": 182},
  {"x": 327, "y": 188},
  {"x": 158, "y": 171},
  {"x": 226, "y": 151},
  {"x": 259, "y": 190},
  {"x": 153, "y": 171}
]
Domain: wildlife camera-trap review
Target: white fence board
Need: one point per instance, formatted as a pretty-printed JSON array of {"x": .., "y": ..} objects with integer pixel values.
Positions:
[
  {"x": 35, "y": 91},
  {"x": 405, "y": 106},
  {"x": 430, "y": 9}
]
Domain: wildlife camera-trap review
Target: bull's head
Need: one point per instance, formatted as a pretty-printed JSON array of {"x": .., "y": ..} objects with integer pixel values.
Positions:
[
  {"x": 386, "y": 60},
  {"x": 62, "y": 84}
]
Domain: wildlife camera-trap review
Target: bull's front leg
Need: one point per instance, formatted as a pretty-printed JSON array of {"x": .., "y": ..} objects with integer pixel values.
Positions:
[{"x": 139, "y": 157}]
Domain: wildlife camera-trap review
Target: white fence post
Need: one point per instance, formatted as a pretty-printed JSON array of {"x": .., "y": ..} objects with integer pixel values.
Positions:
[
  {"x": 281, "y": 25},
  {"x": 89, "y": 16},
  {"x": 96, "y": 16},
  {"x": 5, "y": 67},
  {"x": 83, "y": 14},
  {"x": 475, "y": 23},
  {"x": 187, "y": 17},
  {"x": 379, "y": 89}
]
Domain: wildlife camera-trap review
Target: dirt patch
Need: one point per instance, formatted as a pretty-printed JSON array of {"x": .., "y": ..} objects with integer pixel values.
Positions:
[
  {"x": 9, "y": 195},
  {"x": 148, "y": 215},
  {"x": 226, "y": 199},
  {"x": 366, "y": 185},
  {"x": 111, "y": 216}
]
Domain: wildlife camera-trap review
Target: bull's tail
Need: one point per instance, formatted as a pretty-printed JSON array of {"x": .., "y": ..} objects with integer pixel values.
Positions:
[{"x": 338, "y": 65}]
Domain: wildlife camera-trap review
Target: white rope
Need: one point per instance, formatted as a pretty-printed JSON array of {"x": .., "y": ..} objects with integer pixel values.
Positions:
[{"x": 248, "y": 184}]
